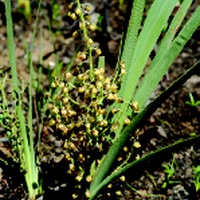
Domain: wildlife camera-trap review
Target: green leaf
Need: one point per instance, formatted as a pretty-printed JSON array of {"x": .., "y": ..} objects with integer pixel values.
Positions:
[
  {"x": 139, "y": 119},
  {"x": 132, "y": 31},
  {"x": 159, "y": 67},
  {"x": 156, "y": 20}
]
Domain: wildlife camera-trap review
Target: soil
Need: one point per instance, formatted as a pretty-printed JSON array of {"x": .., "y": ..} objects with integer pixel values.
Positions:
[{"x": 172, "y": 121}]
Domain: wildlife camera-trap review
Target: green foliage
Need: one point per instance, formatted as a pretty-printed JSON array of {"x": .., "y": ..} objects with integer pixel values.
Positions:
[
  {"x": 132, "y": 89},
  {"x": 25, "y": 149},
  {"x": 55, "y": 10},
  {"x": 25, "y": 8},
  {"x": 192, "y": 101},
  {"x": 170, "y": 171},
  {"x": 196, "y": 171},
  {"x": 170, "y": 46},
  {"x": 121, "y": 3}
]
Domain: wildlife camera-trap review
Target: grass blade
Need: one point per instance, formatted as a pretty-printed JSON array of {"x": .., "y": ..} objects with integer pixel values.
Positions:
[
  {"x": 139, "y": 119},
  {"x": 155, "y": 22},
  {"x": 149, "y": 157},
  {"x": 153, "y": 25},
  {"x": 162, "y": 63},
  {"x": 132, "y": 31}
]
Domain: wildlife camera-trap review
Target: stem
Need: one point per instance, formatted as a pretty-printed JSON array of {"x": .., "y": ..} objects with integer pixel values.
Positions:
[{"x": 86, "y": 37}]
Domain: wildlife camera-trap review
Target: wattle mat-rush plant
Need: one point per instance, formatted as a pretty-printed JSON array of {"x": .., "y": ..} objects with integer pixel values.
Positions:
[
  {"x": 21, "y": 127},
  {"x": 97, "y": 114}
]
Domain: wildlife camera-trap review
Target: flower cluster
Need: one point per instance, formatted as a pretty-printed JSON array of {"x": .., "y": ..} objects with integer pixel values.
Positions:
[
  {"x": 79, "y": 111},
  {"x": 87, "y": 26}
]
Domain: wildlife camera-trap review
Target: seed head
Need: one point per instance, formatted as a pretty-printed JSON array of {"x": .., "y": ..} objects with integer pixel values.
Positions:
[
  {"x": 111, "y": 96},
  {"x": 127, "y": 121},
  {"x": 63, "y": 112},
  {"x": 74, "y": 196},
  {"x": 73, "y": 16},
  {"x": 87, "y": 194},
  {"x": 102, "y": 70},
  {"x": 78, "y": 11},
  {"x": 67, "y": 156},
  {"x": 122, "y": 64},
  {"x": 81, "y": 89},
  {"x": 122, "y": 178},
  {"x": 82, "y": 55},
  {"x": 52, "y": 122},
  {"x": 47, "y": 95},
  {"x": 50, "y": 106},
  {"x": 61, "y": 126},
  {"x": 88, "y": 178},
  {"x": 71, "y": 166},
  {"x": 78, "y": 124},
  {"x": 65, "y": 130},
  {"x": 123, "y": 71},
  {"x": 135, "y": 106},
  {"x": 55, "y": 110},
  {"x": 118, "y": 193},
  {"x": 80, "y": 76},
  {"x": 65, "y": 100},
  {"x": 94, "y": 91},
  {"x": 114, "y": 88},
  {"x": 87, "y": 18},
  {"x": 88, "y": 125},
  {"x": 100, "y": 77},
  {"x": 79, "y": 178},
  {"x": 65, "y": 90},
  {"x": 103, "y": 123},
  {"x": 114, "y": 127},
  {"x": 70, "y": 6},
  {"x": 87, "y": 8},
  {"x": 61, "y": 85},
  {"x": 81, "y": 157},
  {"x": 125, "y": 149},
  {"x": 107, "y": 80},
  {"x": 119, "y": 100},
  {"x": 93, "y": 27},
  {"x": 81, "y": 25},
  {"x": 68, "y": 75},
  {"x": 99, "y": 84},
  {"x": 114, "y": 110},
  {"x": 87, "y": 93},
  {"x": 54, "y": 85},
  {"x": 137, "y": 144},
  {"x": 95, "y": 133},
  {"x": 89, "y": 41}
]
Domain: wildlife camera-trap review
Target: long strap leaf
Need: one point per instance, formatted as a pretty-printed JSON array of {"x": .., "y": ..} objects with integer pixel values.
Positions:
[
  {"x": 132, "y": 31},
  {"x": 162, "y": 62},
  {"x": 153, "y": 26},
  {"x": 149, "y": 157},
  {"x": 138, "y": 120}
]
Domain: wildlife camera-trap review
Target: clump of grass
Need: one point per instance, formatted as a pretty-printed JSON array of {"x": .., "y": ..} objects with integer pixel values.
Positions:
[
  {"x": 79, "y": 109},
  {"x": 96, "y": 113},
  {"x": 23, "y": 131}
]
